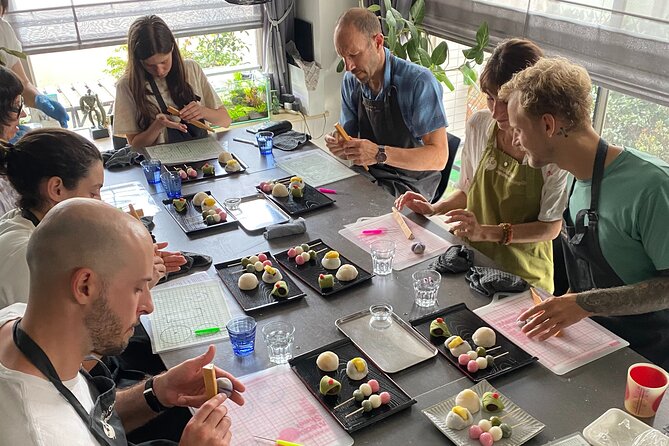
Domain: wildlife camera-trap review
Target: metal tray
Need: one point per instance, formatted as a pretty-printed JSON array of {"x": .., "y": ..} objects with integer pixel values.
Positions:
[
  {"x": 313, "y": 199},
  {"x": 259, "y": 297},
  {"x": 191, "y": 221},
  {"x": 305, "y": 368},
  {"x": 463, "y": 322},
  {"x": 256, "y": 212},
  {"x": 393, "y": 348},
  {"x": 218, "y": 172},
  {"x": 310, "y": 271}
]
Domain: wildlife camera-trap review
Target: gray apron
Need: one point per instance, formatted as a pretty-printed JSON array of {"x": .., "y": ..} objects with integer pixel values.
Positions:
[
  {"x": 587, "y": 268},
  {"x": 174, "y": 135},
  {"x": 381, "y": 121}
]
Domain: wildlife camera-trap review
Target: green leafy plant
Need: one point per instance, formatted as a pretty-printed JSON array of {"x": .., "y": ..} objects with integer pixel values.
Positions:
[
  {"x": 245, "y": 98},
  {"x": 406, "y": 38}
]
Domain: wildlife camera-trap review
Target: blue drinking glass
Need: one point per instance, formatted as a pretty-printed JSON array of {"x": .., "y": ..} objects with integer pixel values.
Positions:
[
  {"x": 265, "y": 142},
  {"x": 242, "y": 331},
  {"x": 171, "y": 182}
]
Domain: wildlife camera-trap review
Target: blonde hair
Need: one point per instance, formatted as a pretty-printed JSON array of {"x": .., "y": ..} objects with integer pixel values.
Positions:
[{"x": 553, "y": 86}]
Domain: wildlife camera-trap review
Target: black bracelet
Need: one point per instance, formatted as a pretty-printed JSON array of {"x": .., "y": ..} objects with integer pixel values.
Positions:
[{"x": 151, "y": 398}]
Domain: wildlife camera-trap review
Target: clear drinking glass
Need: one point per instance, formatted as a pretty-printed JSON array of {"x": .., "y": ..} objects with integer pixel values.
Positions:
[
  {"x": 383, "y": 253},
  {"x": 279, "y": 337},
  {"x": 426, "y": 287}
]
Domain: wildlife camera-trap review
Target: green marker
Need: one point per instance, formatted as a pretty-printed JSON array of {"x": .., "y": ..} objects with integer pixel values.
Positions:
[{"x": 207, "y": 331}]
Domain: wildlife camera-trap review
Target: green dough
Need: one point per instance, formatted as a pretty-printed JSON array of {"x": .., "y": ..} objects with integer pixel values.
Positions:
[
  {"x": 296, "y": 192},
  {"x": 326, "y": 281},
  {"x": 439, "y": 329},
  {"x": 491, "y": 402},
  {"x": 329, "y": 386},
  {"x": 280, "y": 289},
  {"x": 180, "y": 204}
]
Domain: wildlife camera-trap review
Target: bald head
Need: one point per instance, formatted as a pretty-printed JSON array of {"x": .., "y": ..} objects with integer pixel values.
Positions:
[
  {"x": 359, "y": 19},
  {"x": 83, "y": 233}
]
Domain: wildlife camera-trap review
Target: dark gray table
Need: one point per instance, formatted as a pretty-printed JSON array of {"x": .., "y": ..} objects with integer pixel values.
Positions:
[{"x": 565, "y": 403}]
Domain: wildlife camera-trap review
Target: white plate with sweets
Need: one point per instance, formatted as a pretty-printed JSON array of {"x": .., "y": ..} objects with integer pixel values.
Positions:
[{"x": 483, "y": 416}]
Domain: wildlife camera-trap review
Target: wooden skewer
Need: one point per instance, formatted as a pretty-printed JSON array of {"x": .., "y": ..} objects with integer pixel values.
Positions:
[
  {"x": 343, "y": 404},
  {"x": 133, "y": 212},
  {"x": 355, "y": 412},
  {"x": 500, "y": 355},
  {"x": 538, "y": 300},
  {"x": 346, "y": 137},
  {"x": 199, "y": 124},
  {"x": 403, "y": 225}
]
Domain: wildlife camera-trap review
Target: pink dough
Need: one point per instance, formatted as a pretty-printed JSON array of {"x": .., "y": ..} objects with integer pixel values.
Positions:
[
  {"x": 385, "y": 397},
  {"x": 475, "y": 432},
  {"x": 472, "y": 366},
  {"x": 262, "y": 257},
  {"x": 266, "y": 262},
  {"x": 299, "y": 260},
  {"x": 292, "y": 253},
  {"x": 374, "y": 384},
  {"x": 486, "y": 439},
  {"x": 463, "y": 359}
]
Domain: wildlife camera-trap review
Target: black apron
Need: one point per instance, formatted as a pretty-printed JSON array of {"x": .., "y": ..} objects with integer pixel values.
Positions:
[
  {"x": 103, "y": 421},
  {"x": 587, "y": 268},
  {"x": 381, "y": 121},
  {"x": 174, "y": 135}
]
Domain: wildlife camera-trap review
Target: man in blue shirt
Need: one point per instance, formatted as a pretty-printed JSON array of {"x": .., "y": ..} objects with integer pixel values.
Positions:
[{"x": 391, "y": 107}]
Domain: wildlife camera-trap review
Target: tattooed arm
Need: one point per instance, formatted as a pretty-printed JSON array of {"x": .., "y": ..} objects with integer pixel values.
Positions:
[{"x": 556, "y": 313}]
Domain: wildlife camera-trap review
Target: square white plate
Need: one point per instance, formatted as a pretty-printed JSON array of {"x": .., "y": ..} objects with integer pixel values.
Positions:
[{"x": 524, "y": 426}]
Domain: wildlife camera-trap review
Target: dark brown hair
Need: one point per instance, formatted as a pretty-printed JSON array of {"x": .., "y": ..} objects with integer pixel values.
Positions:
[
  {"x": 42, "y": 154},
  {"x": 508, "y": 58},
  {"x": 148, "y": 36},
  {"x": 10, "y": 88},
  {"x": 4, "y": 5}
]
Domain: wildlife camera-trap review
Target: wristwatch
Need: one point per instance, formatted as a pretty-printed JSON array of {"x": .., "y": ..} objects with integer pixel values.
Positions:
[
  {"x": 151, "y": 398},
  {"x": 381, "y": 156}
]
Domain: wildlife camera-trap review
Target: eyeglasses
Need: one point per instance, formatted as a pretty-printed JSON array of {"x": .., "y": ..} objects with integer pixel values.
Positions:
[{"x": 18, "y": 109}]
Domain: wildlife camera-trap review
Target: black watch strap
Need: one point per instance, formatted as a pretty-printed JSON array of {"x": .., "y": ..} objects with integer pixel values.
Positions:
[{"x": 151, "y": 398}]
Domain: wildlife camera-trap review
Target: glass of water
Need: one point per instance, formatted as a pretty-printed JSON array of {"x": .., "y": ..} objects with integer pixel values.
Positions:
[
  {"x": 383, "y": 253},
  {"x": 426, "y": 287},
  {"x": 242, "y": 331},
  {"x": 279, "y": 337}
]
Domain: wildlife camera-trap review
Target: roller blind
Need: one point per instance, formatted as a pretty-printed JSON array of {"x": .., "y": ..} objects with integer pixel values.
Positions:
[
  {"x": 624, "y": 44},
  {"x": 60, "y": 25}
]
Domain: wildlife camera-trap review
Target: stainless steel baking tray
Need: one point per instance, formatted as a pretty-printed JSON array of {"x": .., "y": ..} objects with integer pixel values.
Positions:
[{"x": 256, "y": 212}]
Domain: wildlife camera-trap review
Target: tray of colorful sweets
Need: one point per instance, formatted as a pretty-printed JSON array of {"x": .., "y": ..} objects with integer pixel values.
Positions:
[
  {"x": 227, "y": 163},
  {"x": 467, "y": 341},
  {"x": 293, "y": 195},
  {"x": 199, "y": 212},
  {"x": 258, "y": 282},
  {"x": 349, "y": 385},
  {"x": 482, "y": 415},
  {"x": 321, "y": 267}
]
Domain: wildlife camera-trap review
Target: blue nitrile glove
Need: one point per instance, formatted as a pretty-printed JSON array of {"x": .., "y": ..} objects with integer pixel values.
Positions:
[
  {"x": 52, "y": 108},
  {"x": 23, "y": 129}
]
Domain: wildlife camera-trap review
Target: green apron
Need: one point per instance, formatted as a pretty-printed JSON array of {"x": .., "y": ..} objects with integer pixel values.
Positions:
[{"x": 506, "y": 191}]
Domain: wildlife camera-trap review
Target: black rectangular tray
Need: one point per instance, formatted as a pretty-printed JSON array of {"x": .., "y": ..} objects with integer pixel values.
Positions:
[
  {"x": 305, "y": 368},
  {"x": 309, "y": 272},
  {"x": 259, "y": 297},
  {"x": 463, "y": 322},
  {"x": 191, "y": 221},
  {"x": 218, "y": 172},
  {"x": 312, "y": 199}
]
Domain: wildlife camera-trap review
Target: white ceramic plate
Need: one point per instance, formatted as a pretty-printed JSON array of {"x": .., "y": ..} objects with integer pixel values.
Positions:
[{"x": 524, "y": 426}]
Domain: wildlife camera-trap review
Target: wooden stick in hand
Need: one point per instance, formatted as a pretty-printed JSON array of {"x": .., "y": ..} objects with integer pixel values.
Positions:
[
  {"x": 199, "y": 124},
  {"x": 346, "y": 137}
]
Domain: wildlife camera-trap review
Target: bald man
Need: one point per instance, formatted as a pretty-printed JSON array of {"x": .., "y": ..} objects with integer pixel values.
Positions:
[
  {"x": 90, "y": 268},
  {"x": 392, "y": 108}
]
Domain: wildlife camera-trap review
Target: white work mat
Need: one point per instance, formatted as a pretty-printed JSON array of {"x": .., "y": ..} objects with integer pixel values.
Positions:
[
  {"x": 315, "y": 167},
  {"x": 180, "y": 310},
  {"x": 579, "y": 344},
  {"x": 277, "y": 405},
  {"x": 186, "y": 151},
  {"x": 404, "y": 257},
  {"x": 125, "y": 194}
]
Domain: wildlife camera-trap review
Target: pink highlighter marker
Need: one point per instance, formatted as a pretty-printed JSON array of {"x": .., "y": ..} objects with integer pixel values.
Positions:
[
  {"x": 326, "y": 191},
  {"x": 372, "y": 231}
]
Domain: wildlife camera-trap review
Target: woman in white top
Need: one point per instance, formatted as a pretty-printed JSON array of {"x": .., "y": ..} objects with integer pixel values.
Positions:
[
  {"x": 157, "y": 77},
  {"x": 11, "y": 110},
  {"x": 502, "y": 206}
]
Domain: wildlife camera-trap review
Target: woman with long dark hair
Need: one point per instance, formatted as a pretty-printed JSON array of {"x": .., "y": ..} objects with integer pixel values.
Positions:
[
  {"x": 11, "y": 110},
  {"x": 157, "y": 77}
]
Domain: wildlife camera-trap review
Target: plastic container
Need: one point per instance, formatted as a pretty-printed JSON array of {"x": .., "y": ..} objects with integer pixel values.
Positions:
[{"x": 618, "y": 428}]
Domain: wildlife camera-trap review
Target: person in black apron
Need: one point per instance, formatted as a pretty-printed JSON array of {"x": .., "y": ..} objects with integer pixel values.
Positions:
[
  {"x": 158, "y": 77},
  {"x": 377, "y": 121},
  {"x": 568, "y": 140}
]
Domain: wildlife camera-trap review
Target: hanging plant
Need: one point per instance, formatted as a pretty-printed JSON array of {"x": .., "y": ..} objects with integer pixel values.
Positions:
[{"x": 407, "y": 39}]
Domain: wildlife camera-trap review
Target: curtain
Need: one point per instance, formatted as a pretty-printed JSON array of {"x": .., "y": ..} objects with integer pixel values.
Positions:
[
  {"x": 61, "y": 25},
  {"x": 278, "y": 29},
  {"x": 622, "y": 43}
]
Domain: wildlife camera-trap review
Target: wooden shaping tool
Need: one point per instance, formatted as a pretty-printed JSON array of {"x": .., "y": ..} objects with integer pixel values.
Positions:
[
  {"x": 537, "y": 300},
  {"x": 346, "y": 137},
  {"x": 137, "y": 213},
  {"x": 199, "y": 124},
  {"x": 209, "y": 376},
  {"x": 403, "y": 225}
]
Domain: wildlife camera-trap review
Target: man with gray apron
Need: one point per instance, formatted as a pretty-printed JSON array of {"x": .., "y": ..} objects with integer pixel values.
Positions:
[{"x": 587, "y": 268}]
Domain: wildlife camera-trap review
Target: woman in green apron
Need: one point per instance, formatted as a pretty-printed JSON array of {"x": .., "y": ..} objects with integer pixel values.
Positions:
[
  {"x": 157, "y": 78},
  {"x": 503, "y": 207}
]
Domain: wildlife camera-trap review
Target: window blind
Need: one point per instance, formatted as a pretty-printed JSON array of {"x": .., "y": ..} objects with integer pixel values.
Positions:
[
  {"x": 624, "y": 44},
  {"x": 61, "y": 25}
]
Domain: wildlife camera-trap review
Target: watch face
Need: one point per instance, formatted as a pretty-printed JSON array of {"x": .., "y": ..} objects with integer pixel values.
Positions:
[{"x": 381, "y": 156}]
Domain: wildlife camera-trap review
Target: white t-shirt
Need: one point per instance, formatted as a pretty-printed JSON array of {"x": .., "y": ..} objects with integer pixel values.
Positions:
[
  {"x": 8, "y": 40},
  {"x": 15, "y": 230},
  {"x": 125, "y": 109},
  {"x": 8, "y": 195},
  {"x": 33, "y": 411},
  {"x": 554, "y": 193}
]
